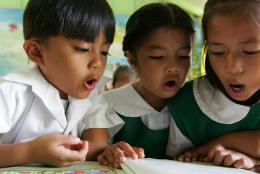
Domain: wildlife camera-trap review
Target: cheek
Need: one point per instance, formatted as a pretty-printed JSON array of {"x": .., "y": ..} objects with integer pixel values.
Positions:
[{"x": 217, "y": 66}]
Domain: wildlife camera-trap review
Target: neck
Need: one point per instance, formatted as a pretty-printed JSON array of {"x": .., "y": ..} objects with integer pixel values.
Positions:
[{"x": 153, "y": 100}]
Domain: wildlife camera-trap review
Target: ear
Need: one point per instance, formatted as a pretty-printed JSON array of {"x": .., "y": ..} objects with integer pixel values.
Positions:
[{"x": 32, "y": 48}]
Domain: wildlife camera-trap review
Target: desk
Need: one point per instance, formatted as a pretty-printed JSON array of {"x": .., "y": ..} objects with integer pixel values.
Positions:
[{"x": 87, "y": 167}]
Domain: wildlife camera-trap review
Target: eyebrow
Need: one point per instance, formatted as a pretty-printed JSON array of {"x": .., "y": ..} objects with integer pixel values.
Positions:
[
  {"x": 250, "y": 41},
  {"x": 214, "y": 43},
  {"x": 157, "y": 47}
]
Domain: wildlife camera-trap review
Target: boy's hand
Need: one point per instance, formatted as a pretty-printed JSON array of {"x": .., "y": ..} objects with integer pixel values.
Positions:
[
  {"x": 57, "y": 150},
  {"x": 116, "y": 154},
  {"x": 222, "y": 156}
]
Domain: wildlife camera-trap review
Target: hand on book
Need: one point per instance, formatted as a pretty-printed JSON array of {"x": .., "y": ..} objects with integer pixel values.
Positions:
[
  {"x": 116, "y": 154},
  {"x": 219, "y": 155}
]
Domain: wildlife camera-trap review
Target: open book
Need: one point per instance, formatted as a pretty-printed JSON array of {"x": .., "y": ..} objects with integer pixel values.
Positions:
[{"x": 156, "y": 166}]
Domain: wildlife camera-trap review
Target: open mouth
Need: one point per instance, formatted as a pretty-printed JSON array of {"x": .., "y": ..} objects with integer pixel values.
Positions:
[
  {"x": 236, "y": 87},
  {"x": 171, "y": 83},
  {"x": 91, "y": 84}
]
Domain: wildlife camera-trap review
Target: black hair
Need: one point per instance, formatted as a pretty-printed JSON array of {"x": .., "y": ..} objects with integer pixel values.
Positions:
[
  {"x": 75, "y": 19},
  {"x": 152, "y": 16},
  {"x": 245, "y": 8},
  {"x": 122, "y": 69}
]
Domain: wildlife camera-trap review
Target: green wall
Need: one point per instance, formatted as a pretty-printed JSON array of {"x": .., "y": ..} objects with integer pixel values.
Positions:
[{"x": 13, "y": 3}]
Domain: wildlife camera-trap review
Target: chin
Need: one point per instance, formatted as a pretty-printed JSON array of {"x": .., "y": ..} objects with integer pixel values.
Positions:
[{"x": 81, "y": 96}]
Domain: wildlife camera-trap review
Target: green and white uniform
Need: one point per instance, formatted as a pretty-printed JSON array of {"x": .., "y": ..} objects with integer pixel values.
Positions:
[
  {"x": 143, "y": 125},
  {"x": 202, "y": 113}
]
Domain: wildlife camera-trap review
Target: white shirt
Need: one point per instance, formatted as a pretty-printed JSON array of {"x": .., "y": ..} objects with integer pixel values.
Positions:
[
  {"x": 127, "y": 102},
  {"x": 30, "y": 106}
]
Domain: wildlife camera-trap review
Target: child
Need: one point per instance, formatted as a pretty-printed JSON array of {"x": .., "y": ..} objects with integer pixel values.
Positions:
[
  {"x": 158, "y": 48},
  {"x": 69, "y": 42},
  {"x": 226, "y": 100},
  {"x": 123, "y": 75}
]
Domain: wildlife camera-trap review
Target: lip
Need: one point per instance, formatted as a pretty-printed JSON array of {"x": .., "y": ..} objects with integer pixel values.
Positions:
[
  {"x": 91, "y": 83},
  {"x": 168, "y": 84},
  {"x": 233, "y": 93}
]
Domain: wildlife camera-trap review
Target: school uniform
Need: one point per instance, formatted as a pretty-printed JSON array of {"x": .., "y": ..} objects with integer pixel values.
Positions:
[
  {"x": 30, "y": 106},
  {"x": 143, "y": 125},
  {"x": 202, "y": 113}
]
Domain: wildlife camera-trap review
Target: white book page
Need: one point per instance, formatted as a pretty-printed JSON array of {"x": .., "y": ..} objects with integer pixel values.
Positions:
[{"x": 155, "y": 166}]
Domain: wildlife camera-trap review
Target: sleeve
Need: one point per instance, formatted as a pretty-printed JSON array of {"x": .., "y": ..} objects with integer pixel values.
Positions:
[
  {"x": 101, "y": 115},
  {"x": 7, "y": 107}
]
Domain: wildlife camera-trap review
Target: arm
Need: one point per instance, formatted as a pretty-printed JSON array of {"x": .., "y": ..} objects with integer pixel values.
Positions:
[
  {"x": 9, "y": 155},
  {"x": 247, "y": 142},
  {"x": 52, "y": 149},
  {"x": 97, "y": 139}
]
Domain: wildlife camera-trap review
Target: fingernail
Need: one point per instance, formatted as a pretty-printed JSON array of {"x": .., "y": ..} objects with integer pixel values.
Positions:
[
  {"x": 134, "y": 156},
  {"x": 122, "y": 159}
]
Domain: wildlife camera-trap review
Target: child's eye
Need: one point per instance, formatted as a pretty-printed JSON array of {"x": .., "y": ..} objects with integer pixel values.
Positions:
[
  {"x": 217, "y": 54},
  {"x": 156, "y": 57},
  {"x": 251, "y": 53},
  {"x": 184, "y": 57},
  {"x": 80, "y": 49},
  {"x": 105, "y": 53}
]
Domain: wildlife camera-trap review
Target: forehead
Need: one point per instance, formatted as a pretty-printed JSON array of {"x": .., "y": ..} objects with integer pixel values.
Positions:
[
  {"x": 232, "y": 28},
  {"x": 166, "y": 36}
]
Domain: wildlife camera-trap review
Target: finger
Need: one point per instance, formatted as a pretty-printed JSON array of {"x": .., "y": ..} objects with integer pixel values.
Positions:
[
  {"x": 219, "y": 157},
  {"x": 67, "y": 139},
  {"x": 128, "y": 150},
  {"x": 245, "y": 163},
  {"x": 180, "y": 157},
  {"x": 205, "y": 159},
  {"x": 213, "y": 151},
  {"x": 110, "y": 157},
  {"x": 187, "y": 156},
  {"x": 118, "y": 155},
  {"x": 201, "y": 158},
  {"x": 139, "y": 151},
  {"x": 102, "y": 160},
  {"x": 240, "y": 164},
  {"x": 194, "y": 156},
  {"x": 230, "y": 159},
  {"x": 84, "y": 149}
]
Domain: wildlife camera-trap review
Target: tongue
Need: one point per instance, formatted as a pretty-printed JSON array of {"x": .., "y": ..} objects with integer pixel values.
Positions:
[{"x": 90, "y": 85}]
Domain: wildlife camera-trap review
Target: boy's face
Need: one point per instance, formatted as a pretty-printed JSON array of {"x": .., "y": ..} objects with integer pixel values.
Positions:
[
  {"x": 163, "y": 61},
  {"x": 73, "y": 66}
]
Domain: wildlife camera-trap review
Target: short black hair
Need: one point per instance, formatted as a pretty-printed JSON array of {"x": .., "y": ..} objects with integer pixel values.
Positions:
[
  {"x": 153, "y": 16},
  {"x": 75, "y": 19}
]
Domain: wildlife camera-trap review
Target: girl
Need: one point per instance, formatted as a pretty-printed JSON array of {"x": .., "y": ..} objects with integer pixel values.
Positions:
[
  {"x": 68, "y": 41},
  {"x": 158, "y": 48},
  {"x": 227, "y": 98}
]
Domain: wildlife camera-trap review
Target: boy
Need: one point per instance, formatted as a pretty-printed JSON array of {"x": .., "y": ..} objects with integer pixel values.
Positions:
[{"x": 69, "y": 42}]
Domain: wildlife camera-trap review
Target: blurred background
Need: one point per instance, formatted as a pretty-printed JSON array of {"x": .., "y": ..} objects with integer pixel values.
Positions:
[{"x": 12, "y": 56}]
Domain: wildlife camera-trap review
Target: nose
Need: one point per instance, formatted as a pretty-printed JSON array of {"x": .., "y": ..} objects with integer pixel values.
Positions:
[
  {"x": 172, "y": 65},
  {"x": 234, "y": 64},
  {"x": 96, "y": 61}
]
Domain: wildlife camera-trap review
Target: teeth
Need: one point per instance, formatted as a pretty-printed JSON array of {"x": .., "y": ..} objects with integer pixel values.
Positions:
[{"x": 237, "y": 89}]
